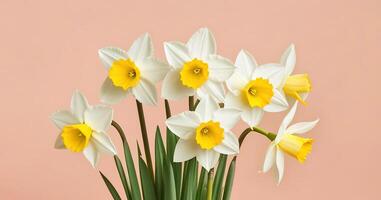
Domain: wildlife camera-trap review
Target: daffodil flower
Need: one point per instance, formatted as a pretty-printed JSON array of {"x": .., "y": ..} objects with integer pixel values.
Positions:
[
  {"x": 135, "y": 71},
  {"x": 287, "y": 141},
  {"x": 83, "y": 128},
  {"x": 295, "y": 86},
  {"x": 196, "y": 69},
  {"x": 253, "y": 89},
  {"x": 205, "y": 133}
]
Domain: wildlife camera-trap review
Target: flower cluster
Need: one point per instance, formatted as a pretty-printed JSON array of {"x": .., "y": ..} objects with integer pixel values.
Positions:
[{"x": 225, "y": 93}]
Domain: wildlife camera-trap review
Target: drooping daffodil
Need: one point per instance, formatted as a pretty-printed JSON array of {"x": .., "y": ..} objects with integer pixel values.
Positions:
[
  {"x": 135, "y": 71},
  {"x": 253, "y": 89},
  {"x": 296, "y": 86},
  {"x": 287, "y": 141},
  {"x": 196, "y": 69},
  {"x": 83, "y": 128},
  {"x": 205, "y": 133}
]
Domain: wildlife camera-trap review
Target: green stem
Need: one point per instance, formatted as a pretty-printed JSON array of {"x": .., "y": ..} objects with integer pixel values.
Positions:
[
  {"x": 144, "y": 135},
  {"x": 269, "y": 135},
  {"x": 191, "y": 103},
  {"x": 120, "y": 130},
  {"x": 167, "y": 109},
  {"x": 210, "y": 184}
]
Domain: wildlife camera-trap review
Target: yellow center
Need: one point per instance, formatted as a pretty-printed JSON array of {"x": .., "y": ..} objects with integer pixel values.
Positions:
[
  {"x": 209, "y": 134},
  {"x": 194, "y": 73},
  {"x": 258, "y": 93},
  {"x": 76, "y": 137},
  {"x": 296, "y": 146},
  {"x": 124, "y": 74},
  {"x": 296, "y": 84}
]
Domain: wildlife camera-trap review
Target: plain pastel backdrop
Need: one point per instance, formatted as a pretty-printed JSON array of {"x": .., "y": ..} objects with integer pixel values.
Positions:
[{"x": 49, "y": 48}]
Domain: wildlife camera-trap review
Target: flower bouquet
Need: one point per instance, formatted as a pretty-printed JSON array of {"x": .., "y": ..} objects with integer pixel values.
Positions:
[{"x": 192, "y": 163}]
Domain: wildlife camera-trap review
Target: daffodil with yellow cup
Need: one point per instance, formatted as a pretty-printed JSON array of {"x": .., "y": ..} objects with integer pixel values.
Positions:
[
  {"x": 205, "y": 133},
  {"x": 196, "y": 68},
  {"x": 253, "y": 89},
  {"x": 287, "y": 141},
  {"x": 297, "y": 86},
  {"x": 135, "y": 72},
  {"x": 84, "y": 128}
]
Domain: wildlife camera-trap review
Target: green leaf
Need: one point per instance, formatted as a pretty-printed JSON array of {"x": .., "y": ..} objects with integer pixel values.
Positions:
[
  {"x": 147, "y": 181},
  {"x": 177, "y": 167},
  {"x": 169, "y": 180},
  {"x": 122, "y": 176},
  {"x": 189, "y": 186},
  {"x": 229, "y": 180},
  {"x": 218, "y": 179},
  {"x": 110, "y": 187},
  {"x": 135, "y": 190},
  {"x": 159, "y": 159},
  {"x": 202, "y": 184}
]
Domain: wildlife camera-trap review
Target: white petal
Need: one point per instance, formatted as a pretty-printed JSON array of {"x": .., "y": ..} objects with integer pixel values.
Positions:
[
  {"x": 229, "y": 145},
  {"x": 278, "y": 103},
  {"x": 108, "y": 55},
  {"x": 111, "y": 94},
  {"x": 79, "y": 105},
  {"x": 288, "y": 59},
  {"x": 213, "y": 89},
  {"x": 246, "y": 64},
  {"x": 228, "y": 117},
  {"x": 235, "y": 101},
  {"x": 99, "y": 118},
  {"x": 153, "y": 69},
  {"x": 63, "y": 118},
  {"x": 206, "y": 108},
  {"x": 269, "y": 158},
  {"x": 252, "y": 116},
  {"x": 172, "y": 87},
  {"x": 92, "y": 155},
  {"x": 280, "y": 164},
  {"x": 183, "y": 124},
  {"x": 141, "y": 48},
  {"x": 185, "y": 150},
  {"x": 208, "y": 158},
  {"x": 301, "y": 127},
  {"x": 273, "y": 72},
  {"x": 59, "y": 143},
  {"x": 145, "y": 92},
  {"x": 176, "y": 53},
  {"x": 286, "y": 122},
  {"x": 103, "y": 142},
  {"x": 220, "y": 68},
  {"x": 237, "y": 82},
  {"x": 202, "y": 44}
]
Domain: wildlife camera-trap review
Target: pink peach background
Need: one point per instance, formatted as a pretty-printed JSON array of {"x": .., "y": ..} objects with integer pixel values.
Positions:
[{"x": 49, "y": 48}]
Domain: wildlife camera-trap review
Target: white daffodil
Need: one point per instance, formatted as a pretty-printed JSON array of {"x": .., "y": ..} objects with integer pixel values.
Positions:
[
  {"x": 196, "y": 69},
  {"x": 287, "y": 141},
  {"x": 253, "y": 89},
  {"x": 83, "y": 129},
  {"x": 205, "y": 133},
  {"x": 295, "y": 86},
  {"x": 135, "y": 71}
]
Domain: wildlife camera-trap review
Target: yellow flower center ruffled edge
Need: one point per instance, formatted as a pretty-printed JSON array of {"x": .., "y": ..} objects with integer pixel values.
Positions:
[
  {"x": 194, "y": 73},
  {"x": 209, "y": 134},
  {"x": 258, "y": 93},
  {"x": 76, "y": 137},
  {"x": 124, "y": 73},
  {"x": 297, "y": 147}
]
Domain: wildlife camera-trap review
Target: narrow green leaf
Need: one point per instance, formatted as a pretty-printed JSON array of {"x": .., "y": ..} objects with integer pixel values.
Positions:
[
  {"x": 159, "y": 159},
  {"x": 229, "y": 180},
  {"x": 169, "y": 179},
  {"x": 123, "y": 178},
  {"x": 110, "y": 187},
  {"x": 201, "y": 184},
  {"x": 135, "y": 190},
  {"x": 147, "y": 181},
  {"x": 218, "y": 179},
  {"x": 189, "y": 186},
  {"x": 177, "y": 167}
]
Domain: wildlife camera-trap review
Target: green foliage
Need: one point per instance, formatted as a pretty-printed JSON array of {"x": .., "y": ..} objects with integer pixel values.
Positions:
[{"x": 170, "y": 181}]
